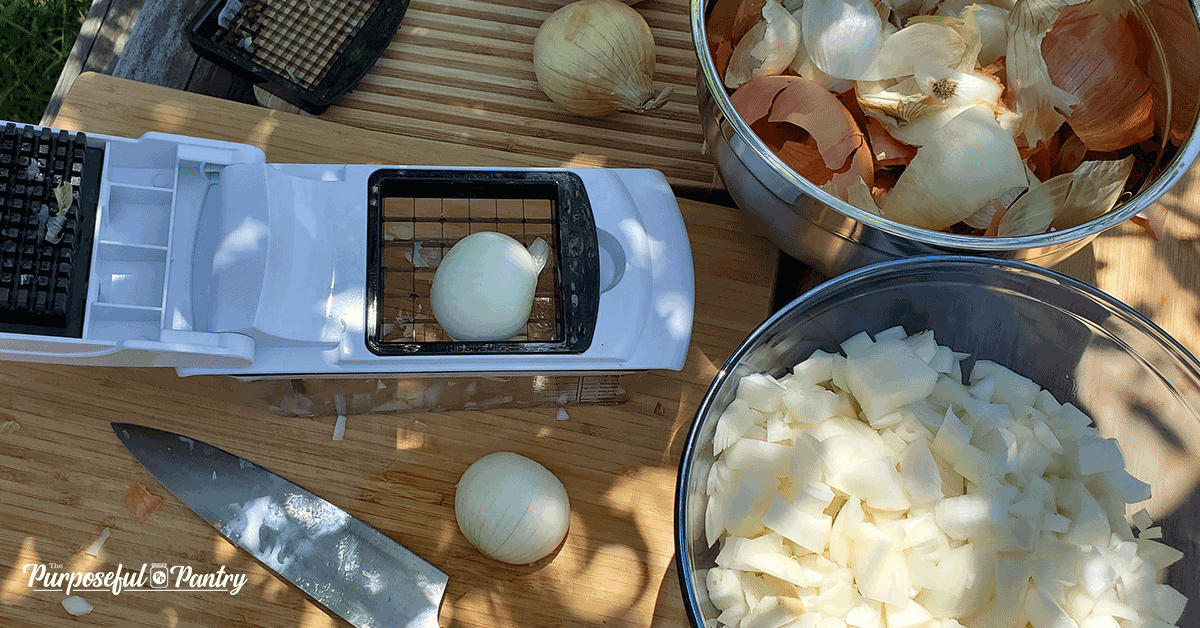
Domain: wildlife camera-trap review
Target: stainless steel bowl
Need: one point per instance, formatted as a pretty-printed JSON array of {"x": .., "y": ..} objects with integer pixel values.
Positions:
[
  {"x": 834, "y": 236},
  {"x": 1139, "y": 385}
]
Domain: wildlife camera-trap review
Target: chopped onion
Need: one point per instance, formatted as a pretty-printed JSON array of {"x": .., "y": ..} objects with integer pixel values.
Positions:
[{"x": 918, "y": 504}]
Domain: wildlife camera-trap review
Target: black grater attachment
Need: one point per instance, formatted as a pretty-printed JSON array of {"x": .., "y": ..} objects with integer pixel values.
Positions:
[
  {"x": 43, "y": 285},
  {"x": 415, "y": 216},
  {"x": 307, "y": 52}
]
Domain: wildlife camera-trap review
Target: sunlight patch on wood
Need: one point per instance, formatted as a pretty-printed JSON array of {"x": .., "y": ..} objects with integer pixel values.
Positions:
[
  {"x": 16, "y": 584},
  {"x": 406, "y": 439},
  {"x": 223, "y": 550}
]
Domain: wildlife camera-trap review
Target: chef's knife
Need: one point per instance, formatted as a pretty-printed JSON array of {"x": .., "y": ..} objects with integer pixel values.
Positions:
[{"x": 343, "y": 564}]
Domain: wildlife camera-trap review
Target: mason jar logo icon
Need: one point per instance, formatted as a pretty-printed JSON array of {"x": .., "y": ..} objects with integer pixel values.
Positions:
[{"x": 158, "y": 575}]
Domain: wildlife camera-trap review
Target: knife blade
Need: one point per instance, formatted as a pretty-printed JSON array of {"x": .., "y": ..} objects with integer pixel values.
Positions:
[{"x": 342, "y": 563}]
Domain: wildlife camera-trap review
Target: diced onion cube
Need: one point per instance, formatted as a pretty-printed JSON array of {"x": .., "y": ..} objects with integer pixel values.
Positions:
[
  {"x": 920, "y": 473},
  {"x": 760, "y": 391},
  {"x": 1132, "y": 489},
  {"x": 1044, "y": 612},
  {"x": 1010, "y": 388},
  {"x": 878, "y": 484},
  {"x": 817, "y": 369},
  {"x": 886, "y": 376},
  {"x": 912, "y": 615},
  {"x": 810, "y": 405},
  {"x": 1156, "y": 554},
  {"x": 794, "y": 524},
  {"x": 1099, "y": 621},
  {"x": 923, "y": 345},
  {"x": 943, "y": 361},
  {"x": 1166, "y": 602},
  {"x": 967, "y": 515},
  {"x": 750, "y": 453},
  {"x": 857, "y": 345},
  {"x": 892, "y": 333},
  {"x": 1099, "y": 455},
  {"x": 1142, "y": 519},
  {"x": 733, "y": 423}
]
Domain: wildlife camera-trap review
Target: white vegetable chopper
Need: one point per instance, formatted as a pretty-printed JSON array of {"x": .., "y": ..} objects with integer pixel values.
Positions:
[{"x": 199, "y": 255}]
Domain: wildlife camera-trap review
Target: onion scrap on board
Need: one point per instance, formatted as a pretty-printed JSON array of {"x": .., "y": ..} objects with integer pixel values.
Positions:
[{"x": 992, "y": 118}]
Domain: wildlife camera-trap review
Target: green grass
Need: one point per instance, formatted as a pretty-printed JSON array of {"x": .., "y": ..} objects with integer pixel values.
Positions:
[{"x": 35, "y": 39}]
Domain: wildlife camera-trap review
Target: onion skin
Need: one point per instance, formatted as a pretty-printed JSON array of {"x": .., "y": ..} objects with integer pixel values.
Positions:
[
  {"x": 1096, "y": 60},
  {"x": 596, "y": 57},
  {"x": 732, "y": 19},
  {"x": 809, "y": 128}
]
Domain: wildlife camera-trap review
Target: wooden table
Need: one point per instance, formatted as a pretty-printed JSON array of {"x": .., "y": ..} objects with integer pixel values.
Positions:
[
  {"x": 461, "y": 72},
  {"x": 63, "y": 473}
]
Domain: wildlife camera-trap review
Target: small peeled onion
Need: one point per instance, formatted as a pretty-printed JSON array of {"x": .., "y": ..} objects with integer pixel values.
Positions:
[
  {"x": 511, "y": 508},
  {"x": 596, "y": 57},
  {"x": 483, "y": 288}
]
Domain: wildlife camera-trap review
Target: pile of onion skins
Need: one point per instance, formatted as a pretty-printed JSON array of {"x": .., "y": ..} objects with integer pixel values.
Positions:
[
  {"x": 1000, "y": 119},
  {"x": 873, "y": 489}
]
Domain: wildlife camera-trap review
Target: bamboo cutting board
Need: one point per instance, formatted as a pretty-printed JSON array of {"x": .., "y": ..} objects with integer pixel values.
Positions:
[
  {"x": 461, "y": 71},
  {"x": 63, "y": 473}
]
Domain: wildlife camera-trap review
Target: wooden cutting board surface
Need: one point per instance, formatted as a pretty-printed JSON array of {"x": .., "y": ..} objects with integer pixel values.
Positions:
[
  {"x": 461, "y": 71},
  {"x": 63, "y": 473}
]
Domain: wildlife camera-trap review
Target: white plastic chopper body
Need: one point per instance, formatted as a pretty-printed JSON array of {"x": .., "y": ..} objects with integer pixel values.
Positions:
[{"x": 208, "y": 259}]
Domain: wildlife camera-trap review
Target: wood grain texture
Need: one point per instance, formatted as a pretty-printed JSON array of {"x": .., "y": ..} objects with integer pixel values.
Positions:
[
  {"x": 63, "y": 473},
  {"x": 121, "y": 107},
  {"x": 461, "y": 71}
]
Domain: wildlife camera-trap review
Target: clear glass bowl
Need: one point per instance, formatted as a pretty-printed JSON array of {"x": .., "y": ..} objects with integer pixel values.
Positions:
[{"x": 1136, "y": 382}]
